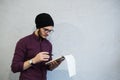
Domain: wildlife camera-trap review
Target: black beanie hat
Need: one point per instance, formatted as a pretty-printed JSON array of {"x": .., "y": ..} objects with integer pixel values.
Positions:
[{"x": 43, "y": 20}]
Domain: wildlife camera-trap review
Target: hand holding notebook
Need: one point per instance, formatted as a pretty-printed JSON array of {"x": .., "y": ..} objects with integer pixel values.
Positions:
[{"x": 54, "y": 63}]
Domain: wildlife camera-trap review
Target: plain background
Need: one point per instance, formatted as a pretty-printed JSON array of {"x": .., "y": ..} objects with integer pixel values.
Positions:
[{"x": 87, "y": 29}]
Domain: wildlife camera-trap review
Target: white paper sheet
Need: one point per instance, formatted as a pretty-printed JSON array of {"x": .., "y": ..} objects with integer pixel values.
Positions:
[{"x": 71, "y": 65}]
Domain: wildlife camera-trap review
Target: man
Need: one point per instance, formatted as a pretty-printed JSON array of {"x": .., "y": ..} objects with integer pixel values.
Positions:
[{"x": 33, "y": 51}]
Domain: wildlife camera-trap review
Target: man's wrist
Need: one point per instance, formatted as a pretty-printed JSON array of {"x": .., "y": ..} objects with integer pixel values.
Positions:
[{"x": 31, "y": 62}]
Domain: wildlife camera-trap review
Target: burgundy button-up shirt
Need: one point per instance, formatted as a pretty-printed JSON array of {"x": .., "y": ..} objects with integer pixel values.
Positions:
[{"x": 26, "y": 49}]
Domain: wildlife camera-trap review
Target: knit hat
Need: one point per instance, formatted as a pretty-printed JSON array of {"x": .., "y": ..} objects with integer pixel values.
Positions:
[{"x": 43, "y": 20}]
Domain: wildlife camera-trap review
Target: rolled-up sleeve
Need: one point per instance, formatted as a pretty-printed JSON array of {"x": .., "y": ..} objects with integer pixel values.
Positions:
[{"x": 19, "y": 56}]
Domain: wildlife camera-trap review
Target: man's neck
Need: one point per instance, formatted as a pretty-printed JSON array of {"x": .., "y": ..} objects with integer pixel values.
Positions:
[{"x": 36, "y": 32}]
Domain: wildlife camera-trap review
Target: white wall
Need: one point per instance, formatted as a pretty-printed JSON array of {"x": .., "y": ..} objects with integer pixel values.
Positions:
[{"x": 87, "y": 29}]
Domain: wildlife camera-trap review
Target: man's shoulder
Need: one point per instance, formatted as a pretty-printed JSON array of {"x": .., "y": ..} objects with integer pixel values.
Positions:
[{"x": 25, "y": 38}]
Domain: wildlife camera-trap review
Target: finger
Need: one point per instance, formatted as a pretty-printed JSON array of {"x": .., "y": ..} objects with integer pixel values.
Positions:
[
  {"x": 45, "y": 53},
  {"x": 55, "y": 62},
  {"x": 46, "y": 56},
  {"x": 45, "y": 59}
]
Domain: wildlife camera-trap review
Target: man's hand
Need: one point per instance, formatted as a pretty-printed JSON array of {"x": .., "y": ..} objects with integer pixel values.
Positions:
[
  {"x": 42, "y": 56},
  {"x": 54, "y": 63}
]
